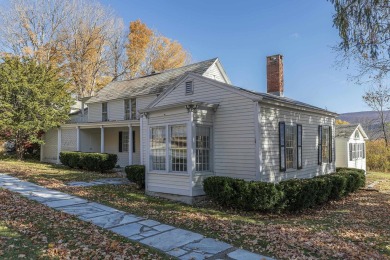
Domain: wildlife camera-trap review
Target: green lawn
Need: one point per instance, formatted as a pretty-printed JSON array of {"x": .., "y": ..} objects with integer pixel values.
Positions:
[{"x": 355, "y": 227}]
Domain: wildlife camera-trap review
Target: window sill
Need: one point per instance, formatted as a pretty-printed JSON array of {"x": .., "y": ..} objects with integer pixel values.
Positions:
[{"x": 170, "y": 173}]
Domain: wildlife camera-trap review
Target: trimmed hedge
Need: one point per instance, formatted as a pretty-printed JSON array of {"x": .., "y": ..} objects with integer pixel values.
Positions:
[
  {"x": 290, "y": 195},
  {"x": 99, "y": 162},
  {"x": 136, "y": 174}
]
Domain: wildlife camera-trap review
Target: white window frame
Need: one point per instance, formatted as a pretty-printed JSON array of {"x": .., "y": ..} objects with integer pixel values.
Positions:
[
  {"x": 170, "y": 150},
  {"x": 325, "y": 145},
  {"x": 127, "y": 109},
  {"x": 211, "y": 151},
  {"x": 106, "y": 112},
  {"x": 125, "y": 141},
  {"x": 293, "y": 129},
  {"x": 167, "y": 149}
]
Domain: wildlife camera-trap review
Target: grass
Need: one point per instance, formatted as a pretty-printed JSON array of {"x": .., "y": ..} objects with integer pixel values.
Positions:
[
  {"x": 14, "y": 245},
  {"x": 355, "y": 227}
]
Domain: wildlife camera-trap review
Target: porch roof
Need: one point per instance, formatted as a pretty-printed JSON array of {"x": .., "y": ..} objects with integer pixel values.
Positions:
[
  {"x": 106, "y": 124},
  {"x": 197, "y": 104}
]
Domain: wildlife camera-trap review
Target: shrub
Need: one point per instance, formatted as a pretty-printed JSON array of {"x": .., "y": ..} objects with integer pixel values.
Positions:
[
  {"x": 101, "y": 162},
  {"x": 378, "y": 156},
  {"x": 136, "y": 174},
  {"x": 290, "y": 195}
]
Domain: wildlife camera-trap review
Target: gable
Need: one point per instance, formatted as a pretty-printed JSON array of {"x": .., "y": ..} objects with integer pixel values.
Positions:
[
  {"x": 204, "y": 90},
  {"x": 216, "y": 72}
]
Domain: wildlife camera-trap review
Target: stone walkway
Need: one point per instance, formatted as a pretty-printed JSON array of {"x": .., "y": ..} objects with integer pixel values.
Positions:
[
  {"x": 104, "y": 181},
  {"x": 176, "y": 242}
]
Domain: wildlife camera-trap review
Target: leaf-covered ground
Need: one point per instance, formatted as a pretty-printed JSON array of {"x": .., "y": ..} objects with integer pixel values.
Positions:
[
  {"x": 357, "y": 227},
  {"x": 33, "y": 231}
]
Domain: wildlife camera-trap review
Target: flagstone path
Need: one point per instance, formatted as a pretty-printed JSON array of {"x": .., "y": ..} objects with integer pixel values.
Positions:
[
  {"x": 105, "y": 181},
  {"x": 175, "y": 242}
]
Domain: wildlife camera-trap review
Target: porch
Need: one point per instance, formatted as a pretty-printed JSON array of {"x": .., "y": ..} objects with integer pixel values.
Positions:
[{"x": 120, "y": 138}]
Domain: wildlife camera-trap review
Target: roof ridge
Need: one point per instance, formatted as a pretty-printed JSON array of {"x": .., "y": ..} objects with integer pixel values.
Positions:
[{"x": 168, "y": 70}]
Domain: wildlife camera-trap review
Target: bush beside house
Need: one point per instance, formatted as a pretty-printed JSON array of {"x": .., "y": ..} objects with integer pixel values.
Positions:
[
  {"x": 290, "y": 195},
  {"x": 136, "y": 174},
  {"x": 100, "y": 162}
]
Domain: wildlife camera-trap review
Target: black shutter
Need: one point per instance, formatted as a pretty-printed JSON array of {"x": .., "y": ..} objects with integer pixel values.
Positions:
[
  {"x": 133, "y": 142},
  {"x": 120, "y": 141},
  {"x": 282, "y": 147},
  {"x": 363, "y": 148},
  {"x": 350, "y": 152},
  {"x": 320, "y": 145},
  {"x": 299, "y": 146},
  {"x": 330, "y": 145}
]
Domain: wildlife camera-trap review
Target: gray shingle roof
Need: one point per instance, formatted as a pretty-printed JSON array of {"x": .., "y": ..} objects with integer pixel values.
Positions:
[
  {"x": 151, "y": 84},
  {"x": 345, "y": 130}
]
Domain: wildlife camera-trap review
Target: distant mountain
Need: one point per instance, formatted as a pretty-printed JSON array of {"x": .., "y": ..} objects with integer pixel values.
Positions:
[{"x": 368, "y": 119}]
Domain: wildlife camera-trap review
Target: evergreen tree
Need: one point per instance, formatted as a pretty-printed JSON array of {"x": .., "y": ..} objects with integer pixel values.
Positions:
[{"x": 33, "y": 100}]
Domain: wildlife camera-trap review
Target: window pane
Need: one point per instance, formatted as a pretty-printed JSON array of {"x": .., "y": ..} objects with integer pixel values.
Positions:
[
  {"x": 178, "y": 148},
  {"x": 203, "y": 148},
  {"x": 125, "y": 141},
  {"x": 133, "y": 109},
  {"x": 290, "y": 146},
  {"x": 325, "y": 144},
  {"x": 157, "y": 148},
  {"x": 127, "y": 109}
]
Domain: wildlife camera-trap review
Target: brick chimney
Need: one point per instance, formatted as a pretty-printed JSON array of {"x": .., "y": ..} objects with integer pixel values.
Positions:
[{"x": 275, "y": 82}]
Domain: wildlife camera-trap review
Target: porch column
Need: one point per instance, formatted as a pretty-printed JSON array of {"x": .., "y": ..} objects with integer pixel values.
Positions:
[
  {"x": 77, "y": 138},
  {"x": 101, "y": 139},
  {"x": 58, "y": 144},
  {"x": 130, "y": 145}
]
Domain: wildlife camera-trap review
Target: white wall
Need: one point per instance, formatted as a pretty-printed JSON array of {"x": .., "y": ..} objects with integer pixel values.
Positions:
[
  {"x": 341, "y": 152},
  {"x": 68, "y": 139},
  {"x": 116, "y": 110},
  {"x": 49, "y": 153},
  {"x": 269, "y": 132},
  {"x": 213, "y": 72},
  {"x": 90, "y": 140},
  {"x": 95, "y": 112}
]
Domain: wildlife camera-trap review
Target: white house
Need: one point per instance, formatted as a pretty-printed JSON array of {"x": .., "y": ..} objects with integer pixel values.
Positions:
[
  {"x": 350, "y": 146},
  {"x": 189, "y": 123}
]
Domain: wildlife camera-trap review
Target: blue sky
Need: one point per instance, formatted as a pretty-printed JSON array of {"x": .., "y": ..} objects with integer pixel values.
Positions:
[{"x": 243, "y": 33}]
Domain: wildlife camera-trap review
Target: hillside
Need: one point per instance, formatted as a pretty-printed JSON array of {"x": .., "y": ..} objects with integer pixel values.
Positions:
[{"x": 369, "y": 121}]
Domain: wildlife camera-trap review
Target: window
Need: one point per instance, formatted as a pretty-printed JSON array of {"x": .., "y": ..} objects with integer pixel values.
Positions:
[
  {"x": 124, "y": 141},
  {"x": 189, "y": 88},
  {"x": 157, "y": 148},
  {"x": 203, "y": 141},
  {"x": 133, "y": 109},
  {"x": 127, "y": 109},
  {"x": 104, "y": 112},
  {"x": 178, "y": 148},
  {"x": 290, "y": 146},
  {"x": 357, "y": 136},
  {"x": 130, "y": 109},
  {"x": 356, "y": 151},
  {"x": 325, "y": 141}
]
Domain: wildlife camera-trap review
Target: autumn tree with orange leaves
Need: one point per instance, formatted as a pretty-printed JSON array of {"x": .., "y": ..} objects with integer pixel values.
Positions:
[{"x": 149, "y": 51}]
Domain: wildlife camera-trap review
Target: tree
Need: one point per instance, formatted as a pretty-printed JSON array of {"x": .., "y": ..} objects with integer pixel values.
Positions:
[
  {"x": 32, "y": 100},
  {"x": 364, "y": 28},
  {"x": 379, "y": 100},
  {"x": 139, "y": 39},
  {"x": 149, "y": 51},
  {"x": 341, "y": 122}
]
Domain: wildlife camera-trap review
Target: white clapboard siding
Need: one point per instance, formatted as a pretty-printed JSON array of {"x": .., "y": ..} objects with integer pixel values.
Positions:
[
  {"x": 233, "y": 126},
  {"x": 270, "y": 117},
  {"x": 197, "y": 183},
  {"x": 169, "y": 116},
  {"x": 213, "y": 72},
  {"x": 95, "y": 112},
  {"x": 341, "y": 152},
  {"x": 69, "y": 139},
  {"x": 169, "y": 183},
  {"x": 50, "y": 150},
  {"x": 144, "y": 101},
  {"x": 116, "y": 110}
]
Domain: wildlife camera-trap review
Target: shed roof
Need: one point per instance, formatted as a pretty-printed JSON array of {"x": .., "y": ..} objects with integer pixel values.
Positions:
[
  {"x": 346, "y": 131},
  {"x": 151, "y": 84}
]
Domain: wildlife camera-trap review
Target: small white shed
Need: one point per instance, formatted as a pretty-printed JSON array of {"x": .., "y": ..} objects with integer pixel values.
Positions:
[{"x": 351, "y": 146}]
